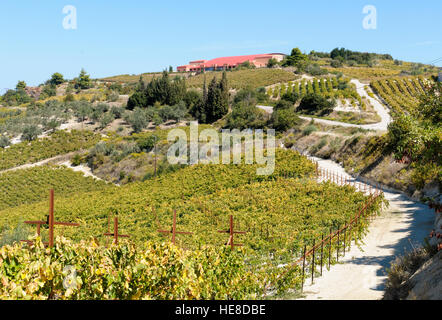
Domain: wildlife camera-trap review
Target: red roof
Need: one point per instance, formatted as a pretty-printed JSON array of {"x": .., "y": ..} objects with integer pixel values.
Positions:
[
  {"x": 235, "y": 60},
  {"x": 229, "y": 61}
]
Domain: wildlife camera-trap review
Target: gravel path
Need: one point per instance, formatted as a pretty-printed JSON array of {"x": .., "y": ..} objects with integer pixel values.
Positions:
[
  {"x": 87, "y": 172},
  {"x": 361, "y": 274},
  {"x": 53, "y": 160}
]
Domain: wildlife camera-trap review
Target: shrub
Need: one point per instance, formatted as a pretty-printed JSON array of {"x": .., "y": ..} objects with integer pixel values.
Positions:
[
  {"x": 106, "y": 119},
  {"x": 315, "y": 70},
  {"x": 336, "y": 63},
  {"x": 401, "y": 270},
  {"x": 284, "y": 104},
  {"x": 48, "y": 91},
  {"x": 31, "y": 133},
  {"x": 113, "y": 96},
  {"x": 76, "y": 160},
  {"x": 56, "y": 79},
  {"x": 138, "y": 119},
  {"x": 244, "y": 116},
  {"x": 69, "y": 97},
  {"x": 52, "y": 125},
  {"x": 138, "y": 99},
  {"x": 284, "y": 119},
  {"x": 147, "y": 143},
  {"x": 4, "y": 141},
  {"x": 117, "y": 112},
  {"x": 293, "y": 97},
  {"x": 321, "y": 144},
  {"x": 309, "y": 130},
  {"x": 315, "y": 104},
  {"x": 176, "y": 112}
]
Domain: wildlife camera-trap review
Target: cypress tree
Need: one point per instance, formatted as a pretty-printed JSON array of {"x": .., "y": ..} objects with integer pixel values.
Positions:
[
  {"x": 204, "y": 90},
  {"x": 224, "y": 87}
]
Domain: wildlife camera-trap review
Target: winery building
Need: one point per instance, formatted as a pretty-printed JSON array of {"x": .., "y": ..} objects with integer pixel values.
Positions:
[{"x": 226, "y": 63}]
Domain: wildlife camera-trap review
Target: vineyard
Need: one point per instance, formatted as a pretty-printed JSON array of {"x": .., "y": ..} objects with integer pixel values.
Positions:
[
  {"x": 401, "y": 94},
  {"x": 125, "y": 272},
  {"x": 281, "y": 214},
  {"x": 327, "y": 87},
  {"x": 58, "y": 143},
  {"x": 241, "y": 79},
  {"x": 366, "y": 73},
  {"x": 31, "y": 185}
]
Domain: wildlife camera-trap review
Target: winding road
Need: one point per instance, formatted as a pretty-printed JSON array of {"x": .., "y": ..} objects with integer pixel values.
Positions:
[
  {"x": 361, "y": 274},
  {"x": 381, "y": 110}
]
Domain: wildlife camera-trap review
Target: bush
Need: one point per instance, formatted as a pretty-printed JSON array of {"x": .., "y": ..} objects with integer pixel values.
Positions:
[
  {"x": 283, "y": 104},
  {"x": 284, "y": 119},
  {"x": 146, "y": 144},
  {"x": 176, "y": 112},
  {"x": 309, "y": 130},
  {"x": 336, "y": 63},
  {"x": 315, "y": 104},
  {"x": 406, "y": 137},
  {"x": 138, "y": 119},
  {"x": 192, "y": 98},
  {"x": 4, "y": 141},
  {"x": 76, "y": 160},
  {"x": 321, "y": 144},
  {"x": 137, "y": 100},
  {"x": 69, "y": 97},
  {"x": 117, "y": 112},
  {"x": 56, "y": 79},
  {"x": 244, "y": 116},
  {"x": 245, "y": 95},
  {"x": 48, "y": 91},
  {"x": 106, "y": 119},
  {"x": 52, "y": 124},
  {"x": 315, "y": 70},
  {"x": 113, "y": 96},
  {"x": 31, "y": 133},
  {"x": 291, "y": 96},
  {"x": 401, "y": 270}
]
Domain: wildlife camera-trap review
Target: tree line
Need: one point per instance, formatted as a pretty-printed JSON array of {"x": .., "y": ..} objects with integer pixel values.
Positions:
[{"x": 207, "y": 106}]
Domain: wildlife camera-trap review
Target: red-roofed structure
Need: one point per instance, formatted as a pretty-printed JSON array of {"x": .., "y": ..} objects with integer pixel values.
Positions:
[{"x": 226, "y": 63}]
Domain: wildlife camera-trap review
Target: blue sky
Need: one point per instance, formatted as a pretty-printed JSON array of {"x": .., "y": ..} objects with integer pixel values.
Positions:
[{"x": 134, "y": 36}]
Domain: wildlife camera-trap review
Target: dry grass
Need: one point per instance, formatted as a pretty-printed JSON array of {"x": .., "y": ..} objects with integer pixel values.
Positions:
[{"x": 401, "y": 270}]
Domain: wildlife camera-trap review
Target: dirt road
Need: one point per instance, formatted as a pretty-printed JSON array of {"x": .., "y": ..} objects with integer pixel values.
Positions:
[
  {"x": 378, "y": 107},
  {"x": 361, "y": 273}
]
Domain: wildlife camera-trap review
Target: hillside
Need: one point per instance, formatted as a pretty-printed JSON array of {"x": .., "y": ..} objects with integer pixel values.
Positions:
[{"x": 377, "y": 117}]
